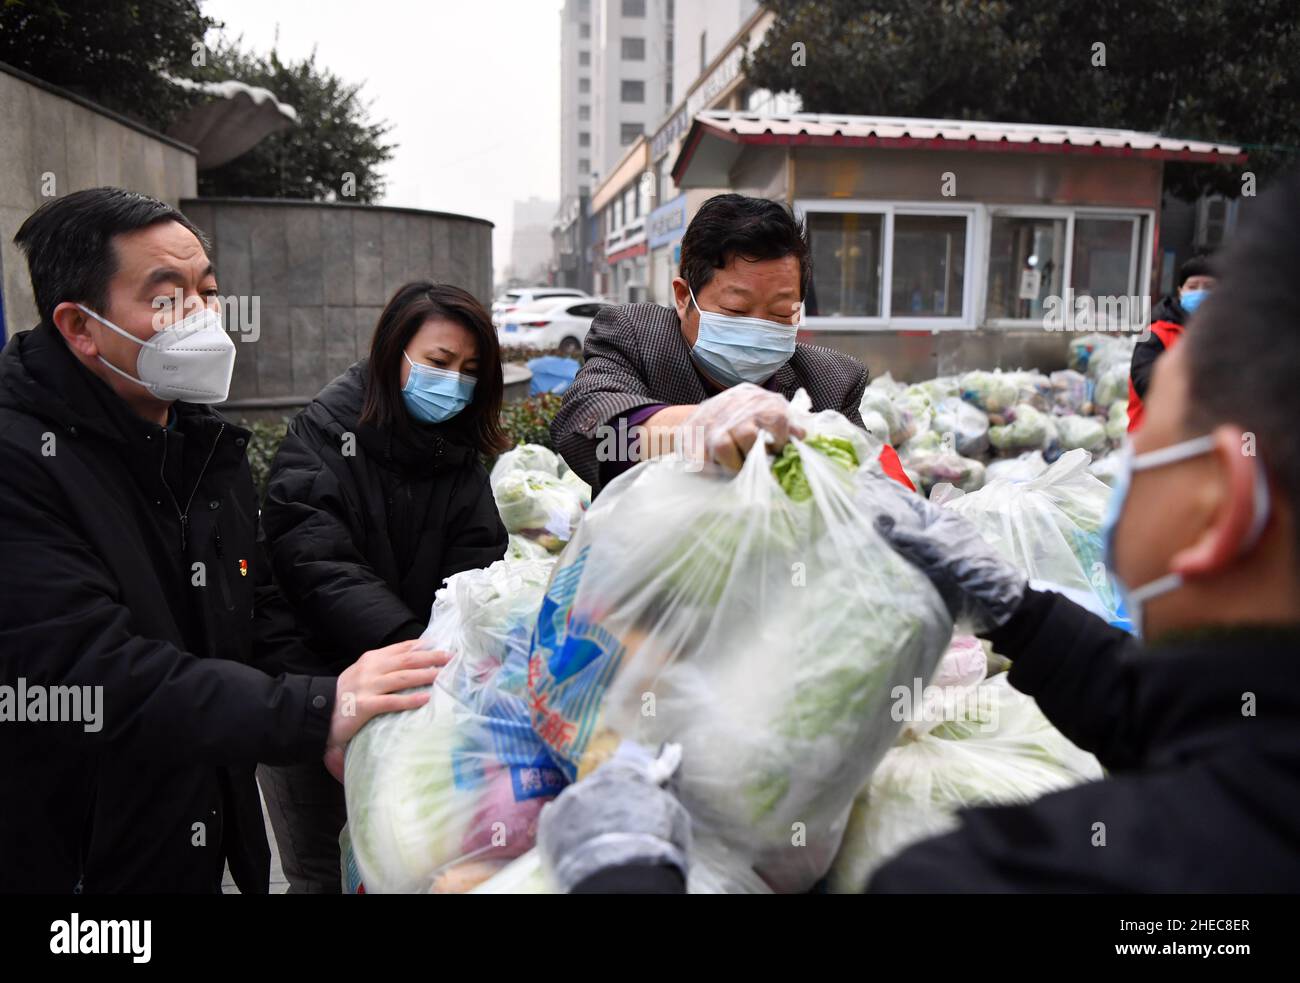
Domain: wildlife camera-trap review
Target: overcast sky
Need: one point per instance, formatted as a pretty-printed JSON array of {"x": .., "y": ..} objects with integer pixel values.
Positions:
[{"x": 471, "y": 88}]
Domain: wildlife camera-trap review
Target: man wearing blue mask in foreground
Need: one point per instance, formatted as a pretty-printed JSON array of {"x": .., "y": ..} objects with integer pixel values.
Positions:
[
  {"x": 1197, "y": 724},
  {"x": 745, "y": 270}
]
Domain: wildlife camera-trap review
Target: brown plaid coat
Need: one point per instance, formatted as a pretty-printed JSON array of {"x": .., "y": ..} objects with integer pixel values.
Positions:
[{"x": 636, "y": 355}]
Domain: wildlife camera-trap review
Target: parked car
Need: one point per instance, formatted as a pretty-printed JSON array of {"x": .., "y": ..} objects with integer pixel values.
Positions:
[
  {"x": 550, "y": 323},
  {"x": 513, "y": 299}
]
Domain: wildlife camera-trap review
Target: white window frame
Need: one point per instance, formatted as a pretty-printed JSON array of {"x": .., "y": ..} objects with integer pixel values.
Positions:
[
  {"x": 1140, "y": 257},
  {"x": 976, "y": 233}
]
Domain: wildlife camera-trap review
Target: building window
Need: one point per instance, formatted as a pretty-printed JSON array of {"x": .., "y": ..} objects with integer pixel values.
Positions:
[
  {"x": 584, "y": 165},
  {"x": 584, "y": 31},
  {"x": 584, "y": 86},
  {"x": 584, "y": 139},
  {"x": 632, "y": 90},
  {"x": 888, "y": 263},
  {"x": 628, "y": 132},
  {"x": 929, "y": 266},
  {"x": 704, "y": 50},
  {"x": 634, "y": 49},
  {"x": 584, "y": 58},
  {"x": 1026, "y": 264},
  {"x": 584, "y": 114},
  {"x": 1104, "y": 260},
  {"x": 633, "y": 8},
  {"x": 847, "y": 262},
  {"x": 632, "y": 202}
]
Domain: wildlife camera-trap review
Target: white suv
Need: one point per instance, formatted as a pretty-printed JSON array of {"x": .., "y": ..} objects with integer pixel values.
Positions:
[{"x": 512, "y": 300}]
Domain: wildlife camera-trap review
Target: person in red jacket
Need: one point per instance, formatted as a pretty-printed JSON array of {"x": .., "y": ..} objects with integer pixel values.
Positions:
[{"x": 1168, "y": 321}]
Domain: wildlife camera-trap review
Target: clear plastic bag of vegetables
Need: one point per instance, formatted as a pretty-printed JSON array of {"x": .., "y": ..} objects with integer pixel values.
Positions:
[
  {"x": 758, "y": 620},
  {"x": 930, "y": 459},
  {"x": 540, "y": 506},
  {"x": 1049, "y": 526},
  {"x": 968, "y": 424},
  {"x": 527, "y": 457},
  {"x": 995, "y": 748},
  {"x": 440, "y": 797},
  {"x": 1026, "y": 428}
]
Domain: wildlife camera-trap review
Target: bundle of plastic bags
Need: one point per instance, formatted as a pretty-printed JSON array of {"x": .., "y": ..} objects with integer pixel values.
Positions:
[
  {"x": 1026, "y": 427},
  {"x": 756, "y": 619},
  {"x": 1049, "y": 526},
  {"x": 930, "y": 459},
  {"x": 538, "y": 497},
  {"x": 990, "y": 745},
  {"x": 968, "y": 424},
  {"x": 441, "y": 797}
]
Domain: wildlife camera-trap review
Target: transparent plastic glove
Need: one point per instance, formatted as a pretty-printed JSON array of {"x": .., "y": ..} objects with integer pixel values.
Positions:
[
  {"x": 724, "y": 427},
  {"x": 618, "y": 815},
  {"x": 980, "y": 588}
]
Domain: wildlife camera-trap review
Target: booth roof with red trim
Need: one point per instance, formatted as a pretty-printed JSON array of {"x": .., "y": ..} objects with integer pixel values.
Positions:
[{"x": 727, "y": 133}]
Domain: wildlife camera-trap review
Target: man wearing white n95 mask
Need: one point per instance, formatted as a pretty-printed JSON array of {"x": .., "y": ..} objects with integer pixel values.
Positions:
[{"x": 128, "y": 523}]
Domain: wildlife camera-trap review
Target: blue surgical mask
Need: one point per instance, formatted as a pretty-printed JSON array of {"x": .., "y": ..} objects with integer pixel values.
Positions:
[
  {"x": 734, "y": 349},
  {"x": 434, "y": 395},
  {"x": 1134, "y": 597},
  {"x": 1191, "y": 299}
]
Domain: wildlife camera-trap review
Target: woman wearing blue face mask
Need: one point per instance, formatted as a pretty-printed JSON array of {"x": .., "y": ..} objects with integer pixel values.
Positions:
[{"x": 377, "y": 494}]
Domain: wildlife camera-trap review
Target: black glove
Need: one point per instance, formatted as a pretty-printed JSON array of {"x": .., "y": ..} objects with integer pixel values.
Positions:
[{"x": 981, "y": 589}]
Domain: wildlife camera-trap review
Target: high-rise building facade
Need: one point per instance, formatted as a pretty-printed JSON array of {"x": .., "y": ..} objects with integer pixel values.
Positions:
[{"x": 632, "y": 78}]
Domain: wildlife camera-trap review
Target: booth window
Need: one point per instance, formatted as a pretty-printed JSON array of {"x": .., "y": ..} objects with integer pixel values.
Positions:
[
  {"x": 889, "y": 263},
  {"x": 929, "y": 266},
  {"x": 846, "y": 262},
  {"x": 1026, "y": 264},
  {"x": 1105, "y": 256},
  {"x": 1035, "y": 256}
]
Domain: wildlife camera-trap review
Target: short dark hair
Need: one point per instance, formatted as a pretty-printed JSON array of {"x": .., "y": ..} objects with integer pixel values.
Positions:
[
  {"x": 69, "y": 243},
  {"x": 731, "y": 225},
  {"x": 1198, "y": 265},
  {"x": 1244, "y": 348},
  {"x": 414, "y": 303}
]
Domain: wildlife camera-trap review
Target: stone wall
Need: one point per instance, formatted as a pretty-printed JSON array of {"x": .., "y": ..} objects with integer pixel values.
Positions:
[
  {"x": 321, "y": 274},
  {"x": 53, "y": 143}
]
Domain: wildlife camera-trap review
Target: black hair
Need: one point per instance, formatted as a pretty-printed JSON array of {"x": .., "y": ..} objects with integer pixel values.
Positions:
[
  {"x": 412, "y": 305},
  {"x": 1244, "y": 346},
  {"x": 1198, "y": 265},
  {"x": 731, "y": 225},
  {"x": 69, "y": 243}
]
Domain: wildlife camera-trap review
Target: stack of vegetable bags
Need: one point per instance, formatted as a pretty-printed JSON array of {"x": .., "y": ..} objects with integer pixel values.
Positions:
[
  {"x": 1049, "y": 526},
  {"x": 540, "y": 500},
  {"x": 961, "y": 429},
  {"x": 758, "y": 620},
  {"x": 979, "y": 742},
  {"x": 441, "y": 797}
]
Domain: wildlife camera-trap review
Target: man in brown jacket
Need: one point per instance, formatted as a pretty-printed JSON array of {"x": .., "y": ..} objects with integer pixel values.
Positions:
[{"x": 745, "y": 270}]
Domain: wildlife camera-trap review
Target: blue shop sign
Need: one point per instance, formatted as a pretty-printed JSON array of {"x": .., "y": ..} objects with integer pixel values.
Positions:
[{"x": 667, "y": 222}]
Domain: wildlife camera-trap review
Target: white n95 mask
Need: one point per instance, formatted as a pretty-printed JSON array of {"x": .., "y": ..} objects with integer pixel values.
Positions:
[{"x": 192, "y": 360}]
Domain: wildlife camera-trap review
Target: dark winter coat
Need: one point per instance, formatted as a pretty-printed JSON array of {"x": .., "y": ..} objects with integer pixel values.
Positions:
[
  {"x": 129, "y": 564},
  {"x": 364, "y": 526}
]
